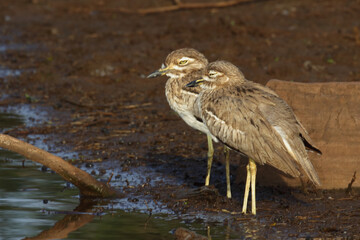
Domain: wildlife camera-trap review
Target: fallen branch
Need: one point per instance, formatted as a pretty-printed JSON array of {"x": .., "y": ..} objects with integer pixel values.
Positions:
[
  {"x": 87, "y": 185},
  {"x": 181, "y": 6}
]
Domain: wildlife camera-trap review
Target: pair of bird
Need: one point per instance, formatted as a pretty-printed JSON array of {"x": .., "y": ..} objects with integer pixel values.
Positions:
[{"x": 216, "y": 99}]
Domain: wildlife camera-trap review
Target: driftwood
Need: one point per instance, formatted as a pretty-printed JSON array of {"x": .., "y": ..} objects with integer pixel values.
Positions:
[
  {"x": 181, "y": 6},
  {"x": 88, "y": 186}
]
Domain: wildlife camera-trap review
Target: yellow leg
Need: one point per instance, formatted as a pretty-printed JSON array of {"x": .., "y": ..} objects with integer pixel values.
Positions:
[
  {"x": 247, "y": 188},
  {"x": 208, "y": 232},
  {"x": 227, "y": 166},
  {"x": 253, "y": 183},
  {"x": 210, "y": 159}
]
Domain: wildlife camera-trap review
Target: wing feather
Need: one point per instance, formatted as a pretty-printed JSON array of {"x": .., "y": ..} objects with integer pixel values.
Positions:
[
  {"x": 293, "y": 135},
  {"x": 237, "y": 121}
]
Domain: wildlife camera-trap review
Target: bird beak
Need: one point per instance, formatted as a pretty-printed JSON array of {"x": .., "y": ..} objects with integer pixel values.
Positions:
[
  {"x": 195, "y": 83},
  {"x": 160, "y": 72}
]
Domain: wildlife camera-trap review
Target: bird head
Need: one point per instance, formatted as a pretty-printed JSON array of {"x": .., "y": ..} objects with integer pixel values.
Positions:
[
  {"x": 180, "y": 63},
  {"x": 217, "y": 74}
]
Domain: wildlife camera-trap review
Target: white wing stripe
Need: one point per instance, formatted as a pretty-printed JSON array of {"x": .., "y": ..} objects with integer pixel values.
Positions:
[
  {"x": 286, "y": 143},
  {"x": 222, "y": 122},
  {"x": 214, "y": 116}
]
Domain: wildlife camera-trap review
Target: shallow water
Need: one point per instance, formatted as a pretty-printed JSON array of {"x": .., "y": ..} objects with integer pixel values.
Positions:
[
  {"x": 37, "y": 202},
  {"x": 32, "y": 201}
]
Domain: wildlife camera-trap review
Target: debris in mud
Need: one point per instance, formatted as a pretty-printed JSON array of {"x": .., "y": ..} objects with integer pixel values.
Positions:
[{"x": 206, "y": 193}]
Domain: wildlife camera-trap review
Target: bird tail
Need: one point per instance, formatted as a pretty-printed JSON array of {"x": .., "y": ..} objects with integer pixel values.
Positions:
[
  {"x": 297, "y": 151},
  {"x": 303, "y": 160},
  {"x": 310, "y": 171}
]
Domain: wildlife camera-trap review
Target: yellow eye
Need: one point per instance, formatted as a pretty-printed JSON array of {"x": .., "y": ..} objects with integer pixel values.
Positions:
[
  {"x": 183, "y": 62},
  {"x": 212, "y": 74}
]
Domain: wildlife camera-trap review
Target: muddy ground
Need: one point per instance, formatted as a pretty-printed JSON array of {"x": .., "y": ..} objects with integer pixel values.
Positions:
[{"x": 88, "y": 61}]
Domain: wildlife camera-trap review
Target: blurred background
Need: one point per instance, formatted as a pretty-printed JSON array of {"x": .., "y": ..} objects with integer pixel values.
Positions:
[{"x": 86, "y": 61}]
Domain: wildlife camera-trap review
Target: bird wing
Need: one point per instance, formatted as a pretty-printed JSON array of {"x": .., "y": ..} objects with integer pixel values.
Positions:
[
  {"x": 236, "y": 120},
  {"x": 309, "y": 144},
  {"x": 293, "y": 135}
]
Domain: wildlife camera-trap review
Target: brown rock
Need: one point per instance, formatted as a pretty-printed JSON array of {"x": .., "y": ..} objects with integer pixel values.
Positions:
[
  {"x": 186, "y": 234},
  {"x": 331, "y": 114}
]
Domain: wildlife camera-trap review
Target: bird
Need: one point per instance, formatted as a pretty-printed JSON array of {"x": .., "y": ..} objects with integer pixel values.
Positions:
[
  {"x": 253, "y": 120},
  {"x": 182, "y": 66}
]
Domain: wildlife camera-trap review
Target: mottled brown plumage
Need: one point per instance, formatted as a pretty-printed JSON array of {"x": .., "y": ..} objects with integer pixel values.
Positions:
[
  {"x": 181, "y": 99},
  {"x": 182, "y": 66},
  {"x": 253, "y": 120}
]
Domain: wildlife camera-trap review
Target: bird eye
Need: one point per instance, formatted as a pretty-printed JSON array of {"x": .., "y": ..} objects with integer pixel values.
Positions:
[
  {"x": 183, "y": 62},
  {"x": 212, "y": 74}
]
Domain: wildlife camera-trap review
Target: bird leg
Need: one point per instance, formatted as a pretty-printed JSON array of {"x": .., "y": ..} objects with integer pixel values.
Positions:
[
  {"x": 227, "y": 166},
  {"x": 253, "y": 183},
  {"x": 210, "y": 159},
  {"x": 247, "y": 188}
]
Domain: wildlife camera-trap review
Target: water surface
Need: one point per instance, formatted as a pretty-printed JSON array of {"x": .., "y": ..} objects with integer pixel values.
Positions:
[{"x": 37, "y": 202}]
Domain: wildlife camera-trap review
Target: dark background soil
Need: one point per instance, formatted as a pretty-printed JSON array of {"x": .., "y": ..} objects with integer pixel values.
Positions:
[{"x": 89, "y": 61}]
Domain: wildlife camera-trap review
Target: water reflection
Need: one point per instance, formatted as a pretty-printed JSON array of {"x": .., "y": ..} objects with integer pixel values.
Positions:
[
  {"x": 8, "y": 120},
  {"x": 36, "y": 206},
  {"x": 81, "y": 215},
  {"x": 26, "y": 114}
]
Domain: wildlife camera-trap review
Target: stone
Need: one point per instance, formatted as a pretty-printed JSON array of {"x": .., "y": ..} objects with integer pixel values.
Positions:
[{"x": 330, "y": 112}]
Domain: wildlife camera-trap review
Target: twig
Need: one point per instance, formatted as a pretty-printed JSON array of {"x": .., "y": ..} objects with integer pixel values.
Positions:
[
  {"x": 110, "y": 114},
  {"x": 135, "y": 106},
  {"x": 78, "y": 104},
  {"x": 7, "y": 102},
  {"x": 150, "y": 214},
  {"x": 222, "y": 210},
  {"x": 182, "y": 6},
  {"x": 349, "y": 190},
  {"x": 89, "y": 122},
  {"x": 108, "y": 181},
  {"x": 108, "y": 137}
]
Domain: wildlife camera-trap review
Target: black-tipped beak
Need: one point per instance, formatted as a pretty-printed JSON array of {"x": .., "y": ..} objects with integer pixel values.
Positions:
[
  {"x": 160, "y": 72},
  {"x": 195, "y": 83}
]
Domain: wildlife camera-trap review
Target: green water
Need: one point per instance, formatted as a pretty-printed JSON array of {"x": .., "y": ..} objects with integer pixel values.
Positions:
[
  {"x": 32, "y": 201},
  {"x": 38, "y": 203},
  {"x": 9, "y": 120}
]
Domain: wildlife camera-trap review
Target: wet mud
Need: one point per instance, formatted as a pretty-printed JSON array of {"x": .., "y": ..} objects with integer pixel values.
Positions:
[{"x": 86, "y": 64}]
